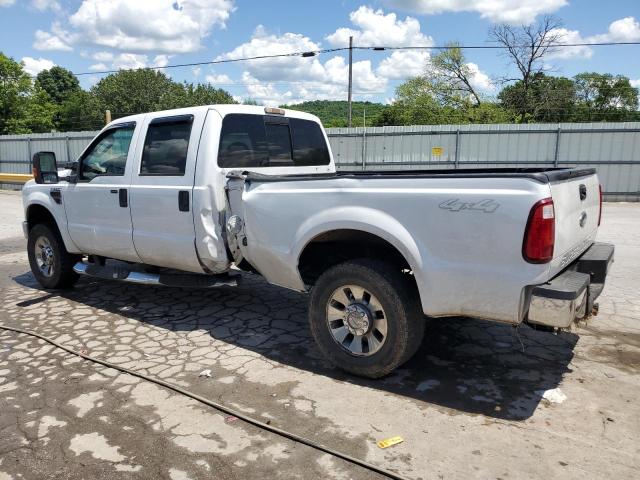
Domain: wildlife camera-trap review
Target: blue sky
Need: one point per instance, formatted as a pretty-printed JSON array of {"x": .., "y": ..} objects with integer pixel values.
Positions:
[{"x": 92, "y": 35}]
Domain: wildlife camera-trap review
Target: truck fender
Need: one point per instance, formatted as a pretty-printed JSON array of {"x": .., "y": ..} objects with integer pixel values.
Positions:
[
  {"x": 368, "y": 220},
  {"x": 42, "y": 199}
]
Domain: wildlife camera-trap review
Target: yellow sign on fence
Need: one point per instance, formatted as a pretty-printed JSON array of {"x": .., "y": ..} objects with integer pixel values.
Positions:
[{"x": 437, "y": 151}]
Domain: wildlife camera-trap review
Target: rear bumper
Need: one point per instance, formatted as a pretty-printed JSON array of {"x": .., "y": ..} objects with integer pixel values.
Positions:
[{"x": 571, "y": 295}]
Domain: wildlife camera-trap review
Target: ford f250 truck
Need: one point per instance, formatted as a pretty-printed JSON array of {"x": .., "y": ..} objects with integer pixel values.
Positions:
[{"x": 188, "y": 197}]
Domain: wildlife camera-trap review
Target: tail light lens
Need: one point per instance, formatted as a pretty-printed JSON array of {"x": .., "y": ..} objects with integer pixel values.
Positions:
[
  {"x": 539, "y": 236},
  {"x": 600, "y": 212}
]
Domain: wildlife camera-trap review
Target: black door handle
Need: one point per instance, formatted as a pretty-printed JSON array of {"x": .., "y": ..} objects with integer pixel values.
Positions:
[
  {"x": 183, "y": 200},
  {"x": 122, "y": 197}
]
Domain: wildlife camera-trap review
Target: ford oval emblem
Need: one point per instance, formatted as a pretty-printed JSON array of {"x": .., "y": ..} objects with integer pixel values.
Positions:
[{"x": 583, "y": 219}]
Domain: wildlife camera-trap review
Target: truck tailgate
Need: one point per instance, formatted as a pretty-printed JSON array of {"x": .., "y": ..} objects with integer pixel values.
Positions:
[{"x": 577, "y": 209}]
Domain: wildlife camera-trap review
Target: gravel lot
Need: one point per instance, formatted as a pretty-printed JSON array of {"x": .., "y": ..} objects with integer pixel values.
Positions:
[{"x": 469, "y": 405}]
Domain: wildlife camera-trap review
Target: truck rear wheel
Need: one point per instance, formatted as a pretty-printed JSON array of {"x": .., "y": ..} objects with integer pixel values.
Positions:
[
  {"x": 365, "y": 317},
  {"x": 50, "y": 262}
]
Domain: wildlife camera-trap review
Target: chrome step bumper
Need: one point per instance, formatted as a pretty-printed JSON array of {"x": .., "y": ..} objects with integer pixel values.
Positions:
[
  {"x": 571, "y": 295},
  {"x": 185, "y": 280}
]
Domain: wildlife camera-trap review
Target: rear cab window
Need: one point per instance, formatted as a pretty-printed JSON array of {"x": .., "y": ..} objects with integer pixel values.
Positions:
[
  {"x": 166, "y": 146},
  {"x": 253, "y": 141}
]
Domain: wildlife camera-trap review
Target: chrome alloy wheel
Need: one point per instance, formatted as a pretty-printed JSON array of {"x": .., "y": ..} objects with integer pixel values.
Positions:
[
  {"x": 357, "y": 321},
  {"x": 44, "y": 256}
]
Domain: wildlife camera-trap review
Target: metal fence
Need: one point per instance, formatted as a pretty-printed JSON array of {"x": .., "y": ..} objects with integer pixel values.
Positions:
[{"x": 612, "y": 148}]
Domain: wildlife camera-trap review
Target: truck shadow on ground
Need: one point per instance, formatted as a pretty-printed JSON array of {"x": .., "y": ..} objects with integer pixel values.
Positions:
[{"x": 465, "y": 365}]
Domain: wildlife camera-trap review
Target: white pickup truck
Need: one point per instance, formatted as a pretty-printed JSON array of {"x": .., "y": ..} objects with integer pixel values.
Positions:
[{"x": 188, "y": 197}]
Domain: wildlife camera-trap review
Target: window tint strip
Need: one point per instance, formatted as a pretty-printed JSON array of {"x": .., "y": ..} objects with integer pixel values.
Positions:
[{"x": 174, "y": 119}]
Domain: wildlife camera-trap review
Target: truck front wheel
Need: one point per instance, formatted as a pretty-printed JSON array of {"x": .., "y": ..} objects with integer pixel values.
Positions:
[
  {"x": 365, "y": 317},
  {"x": 50, "y": 262}
]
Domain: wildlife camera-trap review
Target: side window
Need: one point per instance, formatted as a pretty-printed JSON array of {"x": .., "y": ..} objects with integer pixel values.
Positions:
[
  {"x": 257, "y": 141},
  {"x": 309, "y": 145},
  {"x": 166, "y": 146},
  {"x": 108, "y": 155}
]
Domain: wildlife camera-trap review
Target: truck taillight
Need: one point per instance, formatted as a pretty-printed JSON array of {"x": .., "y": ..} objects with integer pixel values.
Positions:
[
  {"x": 600, "y": 212},
  {"x": 539, "y": 236}
]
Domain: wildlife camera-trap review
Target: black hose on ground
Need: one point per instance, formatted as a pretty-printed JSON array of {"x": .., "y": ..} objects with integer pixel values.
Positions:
[{"x": 217, "y": 406}]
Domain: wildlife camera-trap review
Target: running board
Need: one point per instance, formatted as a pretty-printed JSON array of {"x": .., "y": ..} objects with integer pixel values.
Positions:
[{"x": 190, "y": 280}]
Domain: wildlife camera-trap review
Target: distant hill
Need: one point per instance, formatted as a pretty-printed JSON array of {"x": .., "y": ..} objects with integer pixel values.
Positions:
[{"x": 333, "y": 113}]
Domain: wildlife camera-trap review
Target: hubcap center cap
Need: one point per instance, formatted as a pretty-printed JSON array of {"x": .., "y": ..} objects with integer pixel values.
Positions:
[
  {"x": 47, "y": 255},
  {"x": 357, "y": 319}
]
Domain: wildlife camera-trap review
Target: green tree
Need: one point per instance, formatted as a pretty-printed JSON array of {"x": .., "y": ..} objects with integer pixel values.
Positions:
[
  {"x": 205, "y": 95},
  {"x": 137, "y": 91},
  {"x": 80, "y": 111},
  {"x": 58, "y": 82},
  {"x": 545, "y": 99},
  {"x": 525, "y": 47},
  {"x": 15, "y": 86},
  {"x": 414, "y": 105},
  {"x": 451, "y": 77},
  {"x": 333, "y": 113},
  {"x": 24, "y": 108},
  {"x": 603, "y": 97}
]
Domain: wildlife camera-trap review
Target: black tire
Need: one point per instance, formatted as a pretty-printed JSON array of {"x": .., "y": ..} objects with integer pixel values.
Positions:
[
  {"x": 395, "y": 292},
  {"x": 62, "y": 274}
]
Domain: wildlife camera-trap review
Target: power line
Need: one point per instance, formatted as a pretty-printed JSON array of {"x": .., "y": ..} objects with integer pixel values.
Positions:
[
  {"x": 493, "y": 47},
  {"x": 313, "y": 53}
]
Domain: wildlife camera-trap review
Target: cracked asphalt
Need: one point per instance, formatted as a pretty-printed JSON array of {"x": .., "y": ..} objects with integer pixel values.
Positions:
[{"x": 469, "y": 405}]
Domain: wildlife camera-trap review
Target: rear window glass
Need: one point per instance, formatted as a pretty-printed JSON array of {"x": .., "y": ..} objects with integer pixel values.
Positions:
[
  {"x": 166, "y": 146},
  {"x": 262, "y": 141}
]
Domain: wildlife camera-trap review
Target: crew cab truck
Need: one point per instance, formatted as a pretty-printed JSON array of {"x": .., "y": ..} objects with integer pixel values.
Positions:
[{"x": 187, "y": 197}]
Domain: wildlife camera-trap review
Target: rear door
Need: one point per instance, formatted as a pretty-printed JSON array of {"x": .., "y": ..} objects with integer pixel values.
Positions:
[
  {"x": 162, "y": 190},
  {"x": 576, "y": 203},
  {"x": 97, "y": 206}
]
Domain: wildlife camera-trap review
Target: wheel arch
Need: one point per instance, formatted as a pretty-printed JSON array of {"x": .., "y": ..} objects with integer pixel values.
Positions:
[
  {"x": 40, "y": 213},
  {"x": 356, "y": 233}
]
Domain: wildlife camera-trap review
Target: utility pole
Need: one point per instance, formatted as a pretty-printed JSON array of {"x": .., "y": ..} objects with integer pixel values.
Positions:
[
  {"x": 107, "y": 117},
  {"x": 350, "y": 77}
]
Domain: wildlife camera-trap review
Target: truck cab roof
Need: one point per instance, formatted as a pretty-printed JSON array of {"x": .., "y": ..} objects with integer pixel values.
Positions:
[{"x": 222, "y": 109}]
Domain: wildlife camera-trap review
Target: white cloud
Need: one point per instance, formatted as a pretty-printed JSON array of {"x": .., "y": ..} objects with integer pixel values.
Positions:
[
  {"x": 98, "y": 67},
  {"x": 218, "y": 79},
  {"x": 403, "y": 64},
  {"x": 623, "y": 30},
  {"x": 375, "y": 28},
  {"x": 33, "y": 66},
  {"x": 294, "y": 67},
  {"x": 129, "y": 60},
  {"x": 508, "y": 11},
  {"x": 570, "y": 37},
  {"x": 480, "y": 80},
  {"x": 126, "y": 61},
  {"x": 57, "y": 39},
  {"x": 294, "y": 79},
  {"x": 7, "y": 3},
  {"x": 103, "y": 56},
  {"x": 167, "y": 26},
  {"x": 635, "y": 83},
  {"x": 43, "y": 5}
]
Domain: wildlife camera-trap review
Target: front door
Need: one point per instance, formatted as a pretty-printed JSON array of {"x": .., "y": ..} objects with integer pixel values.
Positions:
[{"x": 97, "y": 206}]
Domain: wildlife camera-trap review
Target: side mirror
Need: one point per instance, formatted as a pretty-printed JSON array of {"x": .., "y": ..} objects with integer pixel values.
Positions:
[{"x": 45, "y": 168}]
